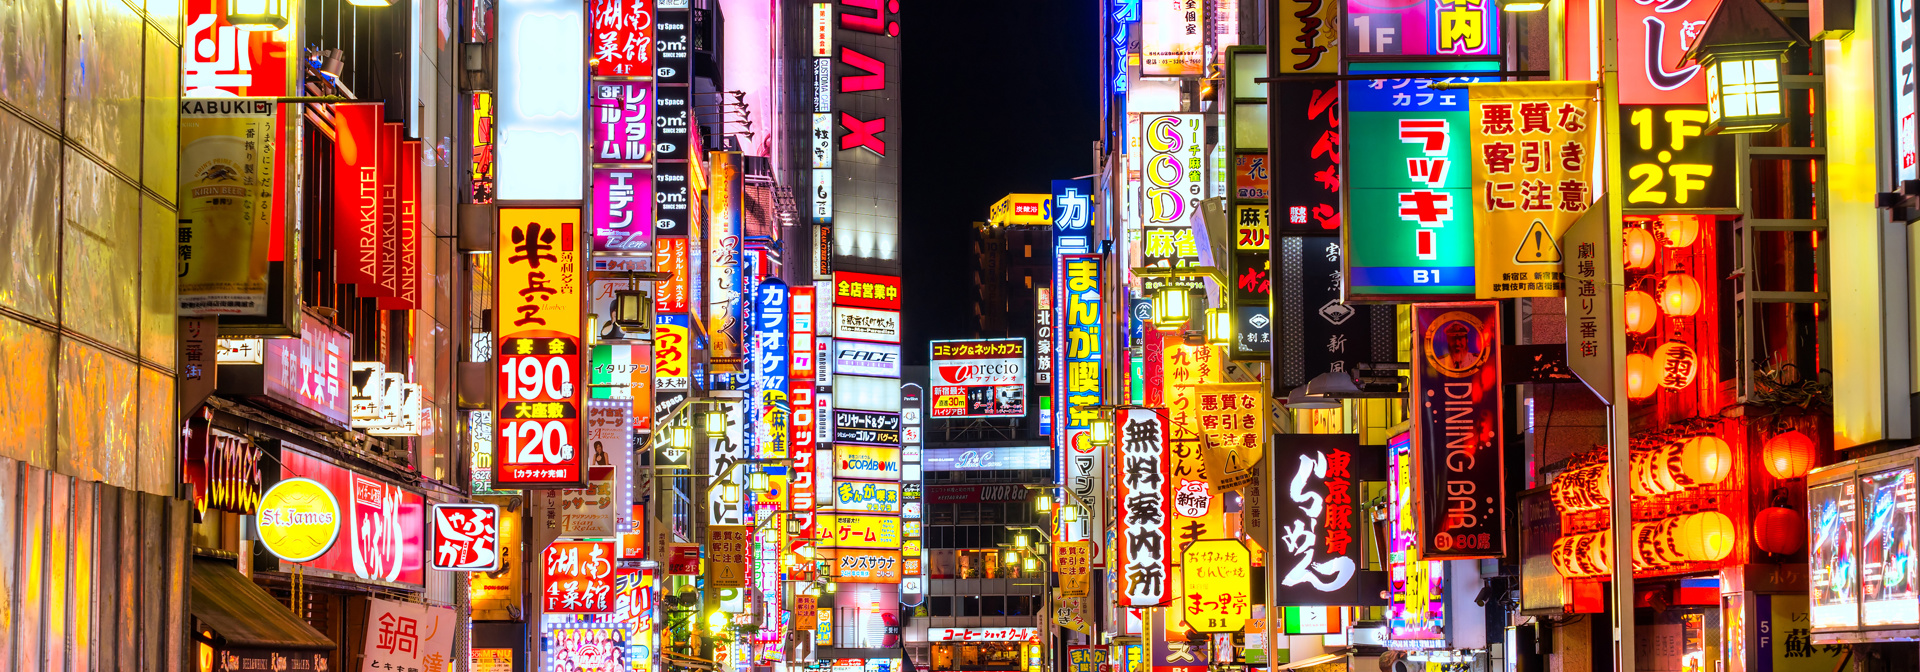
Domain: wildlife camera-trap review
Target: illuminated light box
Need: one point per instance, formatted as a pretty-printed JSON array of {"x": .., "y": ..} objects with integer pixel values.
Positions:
[{"x": 1861, "y": 571}]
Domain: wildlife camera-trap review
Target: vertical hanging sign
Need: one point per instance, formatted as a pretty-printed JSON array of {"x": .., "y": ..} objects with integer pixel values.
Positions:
[
  {"x": 356, "y": 193},
  {"x": 538, "y": 327},
  {"x": 1316, "y": 504},
  {"x": 1079, "y": 384},
  {"x": 1457, "y": 465},
  {"x": 1143, "y": 482}
]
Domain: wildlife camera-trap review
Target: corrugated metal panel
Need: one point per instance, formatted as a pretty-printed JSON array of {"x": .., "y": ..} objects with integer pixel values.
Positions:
[
  {"x": 30, "y": 67},
  {"x": 28, "y": 413},
  {"x": 99, "y": 291},
  {"x": 29, "y": 610},
  {"x": 29, "y": 213},
  {"x": 103, "y": 80}
]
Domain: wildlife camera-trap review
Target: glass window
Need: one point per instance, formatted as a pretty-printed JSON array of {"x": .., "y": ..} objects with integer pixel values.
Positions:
[
  {"x": 941, "y": 605},
  {"x": 969, "y": 606},
  {"x": 968, "y": 514},
  {"x": 1017, "y": 606},
  {"x": 941, "y": 514},
  {"x": 993, "y": 605}
]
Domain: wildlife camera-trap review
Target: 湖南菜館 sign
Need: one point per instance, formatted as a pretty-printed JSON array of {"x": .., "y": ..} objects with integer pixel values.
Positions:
[{"x": 979, "y": 378}]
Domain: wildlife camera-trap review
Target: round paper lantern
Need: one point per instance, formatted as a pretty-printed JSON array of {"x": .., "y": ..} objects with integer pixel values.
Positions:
[
  {"x": 1680, "y": 230},
  {"x": 1642, "y": 376},
  {"x": 1639, "y": 246},
  {"x": 1704, "y": 460},
  {"x": 1642, "y": 312},
  {"x": 1663, "y": 456},
  {"x": 1671, "y": 549},
  {"x": 1600, "y": 553},
  {"x": 1681, "y": 296},
  {"x": 1778, "y": 529},
  {"x": 1788, "y": 455},
  {"x": 1677, "y": 365},
  {"x": 1707, "y": 536}
]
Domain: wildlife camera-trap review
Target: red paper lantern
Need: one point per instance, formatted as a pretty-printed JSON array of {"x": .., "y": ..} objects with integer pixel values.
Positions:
[
  {"x": 1642, "y": 376},
  {"x": 1681, "y": 296},
  {"x": 1642, "y": 312},
  {"x": 1788, "y": 455},
  {"x": 1778, "y": 529},
  {"x": 1639, "y": 248}
]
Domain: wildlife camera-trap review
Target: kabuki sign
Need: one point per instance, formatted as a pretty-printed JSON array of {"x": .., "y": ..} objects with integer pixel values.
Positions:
[
  {"x": 538, "y": 328},
  {"x": 466, "y": 537},
  {"x": 577, "y": 577},
  {"x": 1143, "y": 480},
  {"x": 1456, "y": 431},
  {"x": 1316, "y": 515}
]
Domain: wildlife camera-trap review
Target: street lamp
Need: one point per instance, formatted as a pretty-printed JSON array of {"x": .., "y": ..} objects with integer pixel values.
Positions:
[
  {"x": 757, "y": 481},
  {"x": 1219, "y": 326},
  {"x": 1101, "y": 430},
  {"x": 716, "y": 419},
  {"x": 257, "y": 13},
  {"x": 1042, "y": 504},
  {"x": 632, "y": 318},
  {"x": 1019, "y": 541},
  {"x": 1741, "y": 49},
  {"x": 683, "y": 437},
  {"x": 1172, "y": 306}
]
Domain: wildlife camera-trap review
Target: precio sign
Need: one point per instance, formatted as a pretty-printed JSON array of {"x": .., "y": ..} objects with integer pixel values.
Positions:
[{"x": 979, "y": 378}]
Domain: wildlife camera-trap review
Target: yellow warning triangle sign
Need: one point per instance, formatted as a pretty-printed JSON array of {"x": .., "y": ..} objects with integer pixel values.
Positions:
[{"x": 1538, "y": 246}]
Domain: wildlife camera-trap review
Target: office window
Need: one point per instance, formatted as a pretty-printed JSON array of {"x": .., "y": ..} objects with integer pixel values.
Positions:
[
  {"x": 941, "y": 514},
  {"x": 1017, "y": 606},
  {"x": 940, "y": 605},
  {"x": 993, "y": 605},
  {"x": 969, "y": 606}
]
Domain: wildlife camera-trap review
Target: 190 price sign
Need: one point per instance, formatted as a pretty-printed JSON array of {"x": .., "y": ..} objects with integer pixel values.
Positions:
[{"x": 538, "y": 328}]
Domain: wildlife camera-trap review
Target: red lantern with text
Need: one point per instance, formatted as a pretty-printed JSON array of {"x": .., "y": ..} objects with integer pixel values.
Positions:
[
  {"x": 1779, "y": 530},
  {"x": 1675, "y": 365},
  {"x": 1680, "y": 230},
  {"x": 1788, "y": 455}
]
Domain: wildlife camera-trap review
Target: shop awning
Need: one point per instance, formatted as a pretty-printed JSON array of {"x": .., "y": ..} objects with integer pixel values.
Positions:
[{"x": 242, "y": 616}]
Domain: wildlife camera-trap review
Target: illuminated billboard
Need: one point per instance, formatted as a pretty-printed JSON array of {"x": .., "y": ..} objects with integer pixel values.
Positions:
[
  {"x": 979, "y": 378},
  {"x": 538, "y": 327}
]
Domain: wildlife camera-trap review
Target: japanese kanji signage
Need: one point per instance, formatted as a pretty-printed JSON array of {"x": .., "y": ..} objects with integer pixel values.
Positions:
[
  {"x": 1334, "y": 335},
  {"x": 727, "y": 556},
  {"x": 622, "y": 211},
  {"x": 227, "y": 191},
  {"x": 1306, "y": 157},
  {"x": 622, "y": 38},
  {"x": 770, "y": 371},
  {"x": 409, "y": 636},
  {"x": 466, "y": 537},
  {"x": 1143, "y": 480},
  {"x": 537, "y": 326},
  {"x": 1410, "y": 218},
  {"x": 1308, "y": 38},
  {"x": 1653, "y": 38},
  {"x": 1422, "y": 28},
  {"x": 1457, "y": 431},
  {"x": 1216, "y": 585},
  {"x": 1173, "y": 182},
  {"x": 1316, "y": 514},
  {"x": 672, "y": 352},
  {"x": 221, "y": 60},
  {"x": 577, "y": 577},
  {"x": 979, "y": 378},
  {"x": 1073, "y": 562},
  {"x": 383, "y": 537},
  {"x": 1233, "y": 417},
  {"x": 1590, "y": 318},
  {"x": 1077, "y": 281},
  {"x": 866, "y": 290},
  {"x": 1533, "y": 157},
  {"x": 858, "y": 566}
]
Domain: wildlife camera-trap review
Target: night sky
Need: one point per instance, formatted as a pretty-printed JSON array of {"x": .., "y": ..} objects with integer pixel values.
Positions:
[{"x": 999, "y": 96}]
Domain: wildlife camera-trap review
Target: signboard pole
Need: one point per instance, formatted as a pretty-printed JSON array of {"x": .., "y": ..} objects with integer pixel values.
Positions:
[{"x": 1620, "y": 517}]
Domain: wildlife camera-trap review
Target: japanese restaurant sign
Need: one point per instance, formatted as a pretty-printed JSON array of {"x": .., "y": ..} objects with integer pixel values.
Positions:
[
  {"x": 1306, "y": 158},
  {"x": 1317, "y": 504},
  {"x": 1532, "y": 170},
  {"x": 311, "y": 372},
  {"x": 1456, "y": 451},
  {"x": 1216, "y": 582},
  {"x": 409, "y": 636},
  {"x": 1410, "y": 217},
  {"x": 1309, "y": 36},
  {"x": 622, "y": 38},
  {"x": 1422, "y": 28},
  {"x": 466, "y": 537},
  {"x": 1173, "y": 181},
  {"x": 577, "y": 577},
  {"x": 538, "y": 326},
  {"x": 1653, "y": 38},
  {"x": 1143, "y": 481},
  {"x": 384, "y": 537}
]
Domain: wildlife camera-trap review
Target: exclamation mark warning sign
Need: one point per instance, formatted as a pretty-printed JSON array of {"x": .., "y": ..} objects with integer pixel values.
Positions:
[{"x": 1538, "y": 246}]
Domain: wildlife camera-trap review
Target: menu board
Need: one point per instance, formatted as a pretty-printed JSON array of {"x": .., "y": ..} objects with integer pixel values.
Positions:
[
  {"x": 1833, "y": 559},
  {"x": 1887, "y": 574}
]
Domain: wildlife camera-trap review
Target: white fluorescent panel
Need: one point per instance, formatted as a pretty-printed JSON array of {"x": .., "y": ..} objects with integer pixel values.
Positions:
[{"x": 542, "y": 94}]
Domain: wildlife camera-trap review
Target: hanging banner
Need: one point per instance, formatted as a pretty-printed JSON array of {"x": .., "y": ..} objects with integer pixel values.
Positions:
[
  {"x": 226, "y": 195},
  {"x": 1317, "y": 504},
  {"x": 672, "y": 255},
  {"x": 1171, "y": 38},
  {"x": 1422, "y": 28},
  {"x": 724, "y": 282},
  {"x": 577, "y": 577},
  {"x": 387, "y": 285},
  {"x": 727, "y": 556},
  {"x": 466, "y": 537},
  {"x": 1233, "y": 417},
  {"x": 1143, "y": 479},
  {"x": 1181, "y": 368},
  {"x": 538, "y": 326},
  {"x": 1590, "y": 318},
  {"x": 1410, "y": 214},
  {"x": 1216, "y": 582},
  {"x": 1533, "y": 157},
  {"x": 1457, "y": 462},
  {"x": 1080, "y": 382},
  {"x": 356, "y": 193},
  {"x": 405, "y": 247}
]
